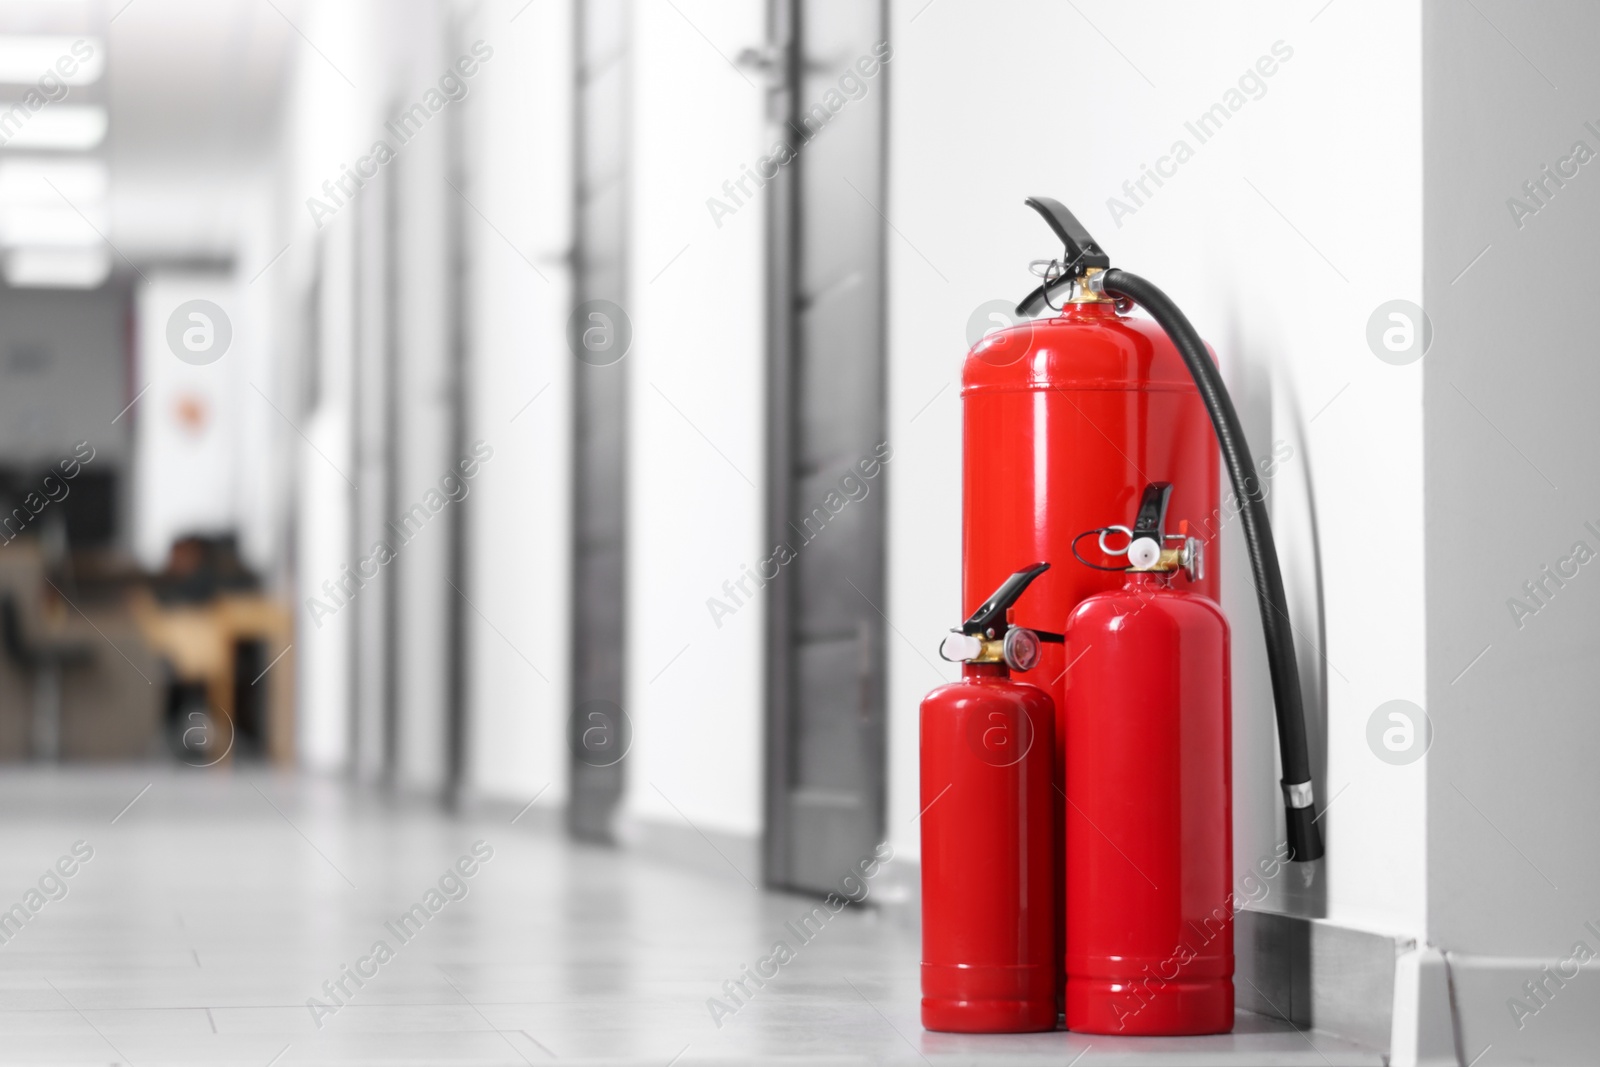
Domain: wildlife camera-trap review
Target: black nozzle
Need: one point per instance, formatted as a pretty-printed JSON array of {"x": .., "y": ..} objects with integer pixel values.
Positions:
[
  {"x": 1080, "y": 251},
  {"x": 992, "y": 615},
  {"x": 1305, "y": 837}
]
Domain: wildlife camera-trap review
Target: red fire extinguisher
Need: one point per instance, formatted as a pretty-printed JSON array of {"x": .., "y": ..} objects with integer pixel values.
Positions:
[
  {"x": 1065, "y": 419},
  {"x": 1149, "y": 842},
  {"x": 989, "y": 893}
]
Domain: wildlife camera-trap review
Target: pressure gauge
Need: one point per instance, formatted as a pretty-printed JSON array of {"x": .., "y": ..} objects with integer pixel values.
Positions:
[{"x": 1021, "y": 649}]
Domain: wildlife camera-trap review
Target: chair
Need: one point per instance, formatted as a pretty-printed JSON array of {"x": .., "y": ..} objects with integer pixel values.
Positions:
[{"x": 43, "y": 659}]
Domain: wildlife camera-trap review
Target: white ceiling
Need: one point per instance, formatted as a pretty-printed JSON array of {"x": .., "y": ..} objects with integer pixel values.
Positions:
[
  {"x": 194, "y": 89},
  {"x": 197, "y": 80}
]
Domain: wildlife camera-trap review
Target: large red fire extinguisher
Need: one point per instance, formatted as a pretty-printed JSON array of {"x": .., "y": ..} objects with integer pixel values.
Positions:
[
  {"x": 989, "y": 893},
  {"x": 1085, "y": 270},
  {"x": 1149, "y": 844},
  {"x": 1065, "y": 419}
]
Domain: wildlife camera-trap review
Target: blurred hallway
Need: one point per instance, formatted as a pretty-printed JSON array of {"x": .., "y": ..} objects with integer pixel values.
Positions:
[{"x": 215, "y": 906}]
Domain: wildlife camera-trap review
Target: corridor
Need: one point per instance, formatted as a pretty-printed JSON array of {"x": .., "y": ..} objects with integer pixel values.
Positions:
[
  {"x": 214, "y": 906},
  {"x": 581, "y": 531}
]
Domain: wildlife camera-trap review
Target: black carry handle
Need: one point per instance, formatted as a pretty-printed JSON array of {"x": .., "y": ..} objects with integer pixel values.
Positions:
[
  {"x": 992, "y": 615},
  {"x": 1080, "y": 251}
]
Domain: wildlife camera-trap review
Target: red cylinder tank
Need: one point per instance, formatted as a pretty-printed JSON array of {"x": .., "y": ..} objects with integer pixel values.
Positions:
[
  {"x": 1064, "y": 421},
  {"x": 1149, "y": 845},
  {"x": 989, "y": 959}
]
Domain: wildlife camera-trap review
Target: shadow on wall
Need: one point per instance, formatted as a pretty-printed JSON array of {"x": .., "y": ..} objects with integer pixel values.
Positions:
[{"x": 1260, "y": 401}]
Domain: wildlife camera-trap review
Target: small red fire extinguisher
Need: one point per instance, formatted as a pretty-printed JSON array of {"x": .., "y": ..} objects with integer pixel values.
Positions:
[
  {"x": 1149, "y": 845},
  {"x": 989, "y": 832}
]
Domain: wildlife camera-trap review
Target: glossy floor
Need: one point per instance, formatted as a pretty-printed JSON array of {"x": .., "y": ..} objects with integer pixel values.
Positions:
[{"x": 214, "y": 905}]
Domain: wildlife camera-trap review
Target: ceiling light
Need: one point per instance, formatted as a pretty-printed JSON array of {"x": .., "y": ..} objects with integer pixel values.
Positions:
[
  {"x": 36, "y": 180},
  {"x": 27, "y": 59},
  {"x": 58, "y": 126},
  {"x": 55, "y": 268},
  {"x": 53, "y": 226}
]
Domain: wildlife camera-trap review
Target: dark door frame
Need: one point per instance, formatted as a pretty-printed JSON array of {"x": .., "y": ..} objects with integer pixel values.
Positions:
[{"x": 784, "y": 221}]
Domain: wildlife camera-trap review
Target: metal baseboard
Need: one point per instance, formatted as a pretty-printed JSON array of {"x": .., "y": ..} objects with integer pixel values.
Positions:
[
  {"x": 1317, "y": 974},
  {"x": 1493, "y": 1007}
]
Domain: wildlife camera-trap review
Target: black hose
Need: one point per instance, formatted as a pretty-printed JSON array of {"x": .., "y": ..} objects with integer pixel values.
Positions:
[{"x": 1305, "y": 840}]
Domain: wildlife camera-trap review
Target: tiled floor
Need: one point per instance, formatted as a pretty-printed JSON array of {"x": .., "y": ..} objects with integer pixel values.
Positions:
[{"x": 217, "y": 904}]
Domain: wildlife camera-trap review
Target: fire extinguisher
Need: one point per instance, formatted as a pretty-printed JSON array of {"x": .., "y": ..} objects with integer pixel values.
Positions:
[
  {"x": 989, "y": 833},
  {"x": 1066, "y": 418},
  {"x": 1149, "y": 843}
]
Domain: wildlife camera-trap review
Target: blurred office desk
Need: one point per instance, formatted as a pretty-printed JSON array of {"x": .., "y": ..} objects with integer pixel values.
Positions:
[{"x": 201, "y": 640}]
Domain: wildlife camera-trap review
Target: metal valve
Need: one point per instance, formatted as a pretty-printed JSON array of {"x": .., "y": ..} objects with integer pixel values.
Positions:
[
  {"x": 1192, "y": 558},
  {"x": 1149, "y": 546}
]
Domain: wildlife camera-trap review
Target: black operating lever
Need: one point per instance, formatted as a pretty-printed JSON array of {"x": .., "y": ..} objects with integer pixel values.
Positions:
[
  {"x": 1080, "y": 251},
  {"x": 992, "y": 615}
]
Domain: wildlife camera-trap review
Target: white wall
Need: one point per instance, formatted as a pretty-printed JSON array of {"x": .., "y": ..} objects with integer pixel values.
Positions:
[
  {"x": 696, "y": 366},
  {"x": 513, "y": 204},
  {"x": 976, "y": 126},
  {"x": 426, "y": 450},
  {"x": 1509, "y": 396},
  {"x": 322, "y": 118},
  {"x": 325, "y": 470},
  {"x": 262, "y": 504},
  {"x": 1510, "y": 386},
  {"x": 337, "y": 103},
  {"x": 520, "y": 530},
  {"x": 186, "y": 444},
  {"x": 697, "y": 412}
]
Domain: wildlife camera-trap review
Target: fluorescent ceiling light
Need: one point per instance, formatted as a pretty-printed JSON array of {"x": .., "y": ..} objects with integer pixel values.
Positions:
[
  {"x": 36, "y": 180},
  {"x": 25, "y": 59},
  {"x": 54, "y": 268},
  {"x": 52, "y": 226},
  {"x": 58, "y": 126}
]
